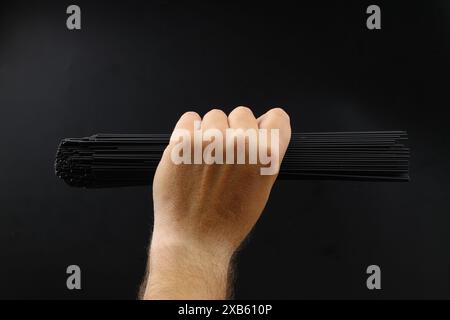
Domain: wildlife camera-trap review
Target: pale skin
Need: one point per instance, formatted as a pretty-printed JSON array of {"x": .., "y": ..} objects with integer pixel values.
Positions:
[{"x": 202, "y": 212}]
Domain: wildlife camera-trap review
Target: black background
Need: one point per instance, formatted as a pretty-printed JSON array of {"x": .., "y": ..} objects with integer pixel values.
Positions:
[{"x": 137, "y": 65}]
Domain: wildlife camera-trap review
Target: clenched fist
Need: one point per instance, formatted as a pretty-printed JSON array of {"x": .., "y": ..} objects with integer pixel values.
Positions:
[{"x": 205, "y": 206}]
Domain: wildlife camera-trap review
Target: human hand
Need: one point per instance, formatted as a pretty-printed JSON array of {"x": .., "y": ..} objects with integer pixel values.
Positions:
[{"x": 202, "y": 212}]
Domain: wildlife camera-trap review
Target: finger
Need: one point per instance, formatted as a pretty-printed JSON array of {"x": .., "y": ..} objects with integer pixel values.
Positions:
[
  {"x": 243, "y": 118},
  {"x": 215, "y": 119},
  {"x": 185, "y": 127},
  {"x": 277, "y": 118},
  {"x": 187, "y": 121},
  {"x": 260, "y": 118}
]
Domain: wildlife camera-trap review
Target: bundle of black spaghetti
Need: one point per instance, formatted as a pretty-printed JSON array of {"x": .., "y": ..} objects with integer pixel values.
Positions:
[{"x": 118, "y": 160}]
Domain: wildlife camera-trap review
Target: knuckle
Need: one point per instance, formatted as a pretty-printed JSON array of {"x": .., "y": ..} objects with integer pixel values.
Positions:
[
  {"x": 278, "y": 112},
  {"x": 190, "y": 114},
  {"x": 242, "y": 109},
  {"x": 215, "y": 112}
]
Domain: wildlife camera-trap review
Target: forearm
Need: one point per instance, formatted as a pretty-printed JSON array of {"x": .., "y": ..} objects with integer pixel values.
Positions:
[{"x": 181, "y": 271}]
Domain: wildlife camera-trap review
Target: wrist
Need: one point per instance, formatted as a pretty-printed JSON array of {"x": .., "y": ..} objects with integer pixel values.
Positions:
[
  {"x": 216, "y": 248},
  {"x": 190, "y": 252},
  {"x": 182, "y": 268}
]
